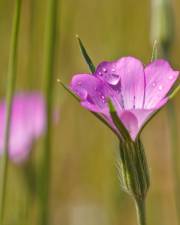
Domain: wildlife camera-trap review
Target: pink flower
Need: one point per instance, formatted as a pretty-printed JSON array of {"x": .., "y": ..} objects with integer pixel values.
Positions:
[
  {"x": 137, "y": 92},
  {"x": 28, "y": 122}
]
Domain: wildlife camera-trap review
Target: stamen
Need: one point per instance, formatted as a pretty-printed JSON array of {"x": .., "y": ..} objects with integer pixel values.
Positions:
[{"x": 134, "y": 100}]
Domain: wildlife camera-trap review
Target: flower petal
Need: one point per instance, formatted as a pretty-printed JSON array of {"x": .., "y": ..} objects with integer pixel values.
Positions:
[
  {"x": 109, "y": 72},
  {"x": 36, "y": 107},
  {"x": 130, "y": 122},
  {"x": 94, "y": 94},
  {"x": 143, "y": 115},
  {"x": 126, "y": 77},
  {"x": 160, "y": 77},
  {"x": 28, "y": 122},
  {"x": 91, "y": 90}
]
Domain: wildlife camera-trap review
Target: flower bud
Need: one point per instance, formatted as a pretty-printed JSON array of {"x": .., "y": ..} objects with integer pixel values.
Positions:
[{"x": 133, "y": 169}]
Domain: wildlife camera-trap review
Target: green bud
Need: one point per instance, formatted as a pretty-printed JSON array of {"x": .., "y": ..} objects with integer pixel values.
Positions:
[{"x": 133, "y": 169}]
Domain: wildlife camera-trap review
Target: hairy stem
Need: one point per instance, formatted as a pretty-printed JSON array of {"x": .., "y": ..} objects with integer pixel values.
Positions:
[{"x": 141, "y": 211}]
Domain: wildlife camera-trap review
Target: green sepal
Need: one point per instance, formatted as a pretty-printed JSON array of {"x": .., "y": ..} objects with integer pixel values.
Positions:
[
  {"x": 68, "y": 90},
  {"x": 154, "y": 51},
  {"x": 133, "y": 169},
  {"x": 174, "y": 92},
  {"x": 86, "y": 56},
  {"x": 117, "y": 122}
]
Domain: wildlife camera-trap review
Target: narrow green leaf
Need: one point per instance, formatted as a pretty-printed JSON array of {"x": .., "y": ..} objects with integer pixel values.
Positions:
[
  {"x": 68, "y": 90},
  {"x": 85, "y": 55},
  {"x": 175, "y": 91},
  {"x": 50, "y": 39},
  {"x": 11, "y": 81},
  {"x": 154, "y": 51},
  {"x": 120, "y": 126}
]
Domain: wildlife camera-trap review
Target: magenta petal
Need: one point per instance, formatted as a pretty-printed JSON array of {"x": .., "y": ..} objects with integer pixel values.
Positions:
[
  {"x": 143, "y": 115},
  {"x": 96, "y": 95},
  {"x": 27, "y": 123},
  {"x": 160, "y": 77},
  {"x": 130, "y": 122},
  {"x": 126, "y": 77},
  {"x": 132, "y": 82},
  {"x": 109, "y": 72},
  {"x": 92, "y": 107},
  {"x": 135, "y": 119},
  {"x": 161, "y": 103},
  {"x": 36, "y": 105},
  {"x": 91, "y": 90}
]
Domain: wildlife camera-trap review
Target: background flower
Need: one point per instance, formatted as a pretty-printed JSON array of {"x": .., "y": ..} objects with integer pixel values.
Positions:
[{"x": 28, "y": 122}]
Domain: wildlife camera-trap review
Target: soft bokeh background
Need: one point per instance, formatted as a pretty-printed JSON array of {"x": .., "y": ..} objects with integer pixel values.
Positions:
[{"x": 84, "y": 187}]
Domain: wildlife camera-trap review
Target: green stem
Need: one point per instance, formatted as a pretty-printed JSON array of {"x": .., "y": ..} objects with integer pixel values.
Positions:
[
  {"x": 141, "y": 211},
  {"x": 31, "y": 41},
  {"x": 28, "y": 176},
  {"x": 48, "y": 90},
  {"x": 9, "y": 97}
]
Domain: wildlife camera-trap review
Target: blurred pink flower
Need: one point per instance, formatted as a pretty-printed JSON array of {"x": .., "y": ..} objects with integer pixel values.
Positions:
[{"x": 28, "y": 122}]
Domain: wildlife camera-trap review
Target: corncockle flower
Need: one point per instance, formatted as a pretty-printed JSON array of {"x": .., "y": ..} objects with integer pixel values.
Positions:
[
  {"x": 136, "y": 92},
  {"x": 125, "y": 94},
  {"x": 28, "y": 122}
]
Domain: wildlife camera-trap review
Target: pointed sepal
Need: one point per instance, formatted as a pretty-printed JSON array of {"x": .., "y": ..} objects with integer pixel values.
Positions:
[
  {"x": 68, "y": 90},
  {"x": 155, "y": 51},
  {"x": 118, "y": 123},
  {"x": 174, "y": 92},
  {"x": 86, "y": 56}
]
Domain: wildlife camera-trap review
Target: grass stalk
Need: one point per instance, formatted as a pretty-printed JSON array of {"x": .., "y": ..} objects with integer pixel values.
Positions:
[
  {"x": 50, "y": 37},
  {"x": 11, "y": 79}
]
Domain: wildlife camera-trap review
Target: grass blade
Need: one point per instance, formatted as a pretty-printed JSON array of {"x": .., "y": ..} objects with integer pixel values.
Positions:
[
  {"x": 11, "y": 79},
  {"x": 86, "y": 56},
  {"x": 154, "y": 51},
  {"x": 45, "y": 173}
]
